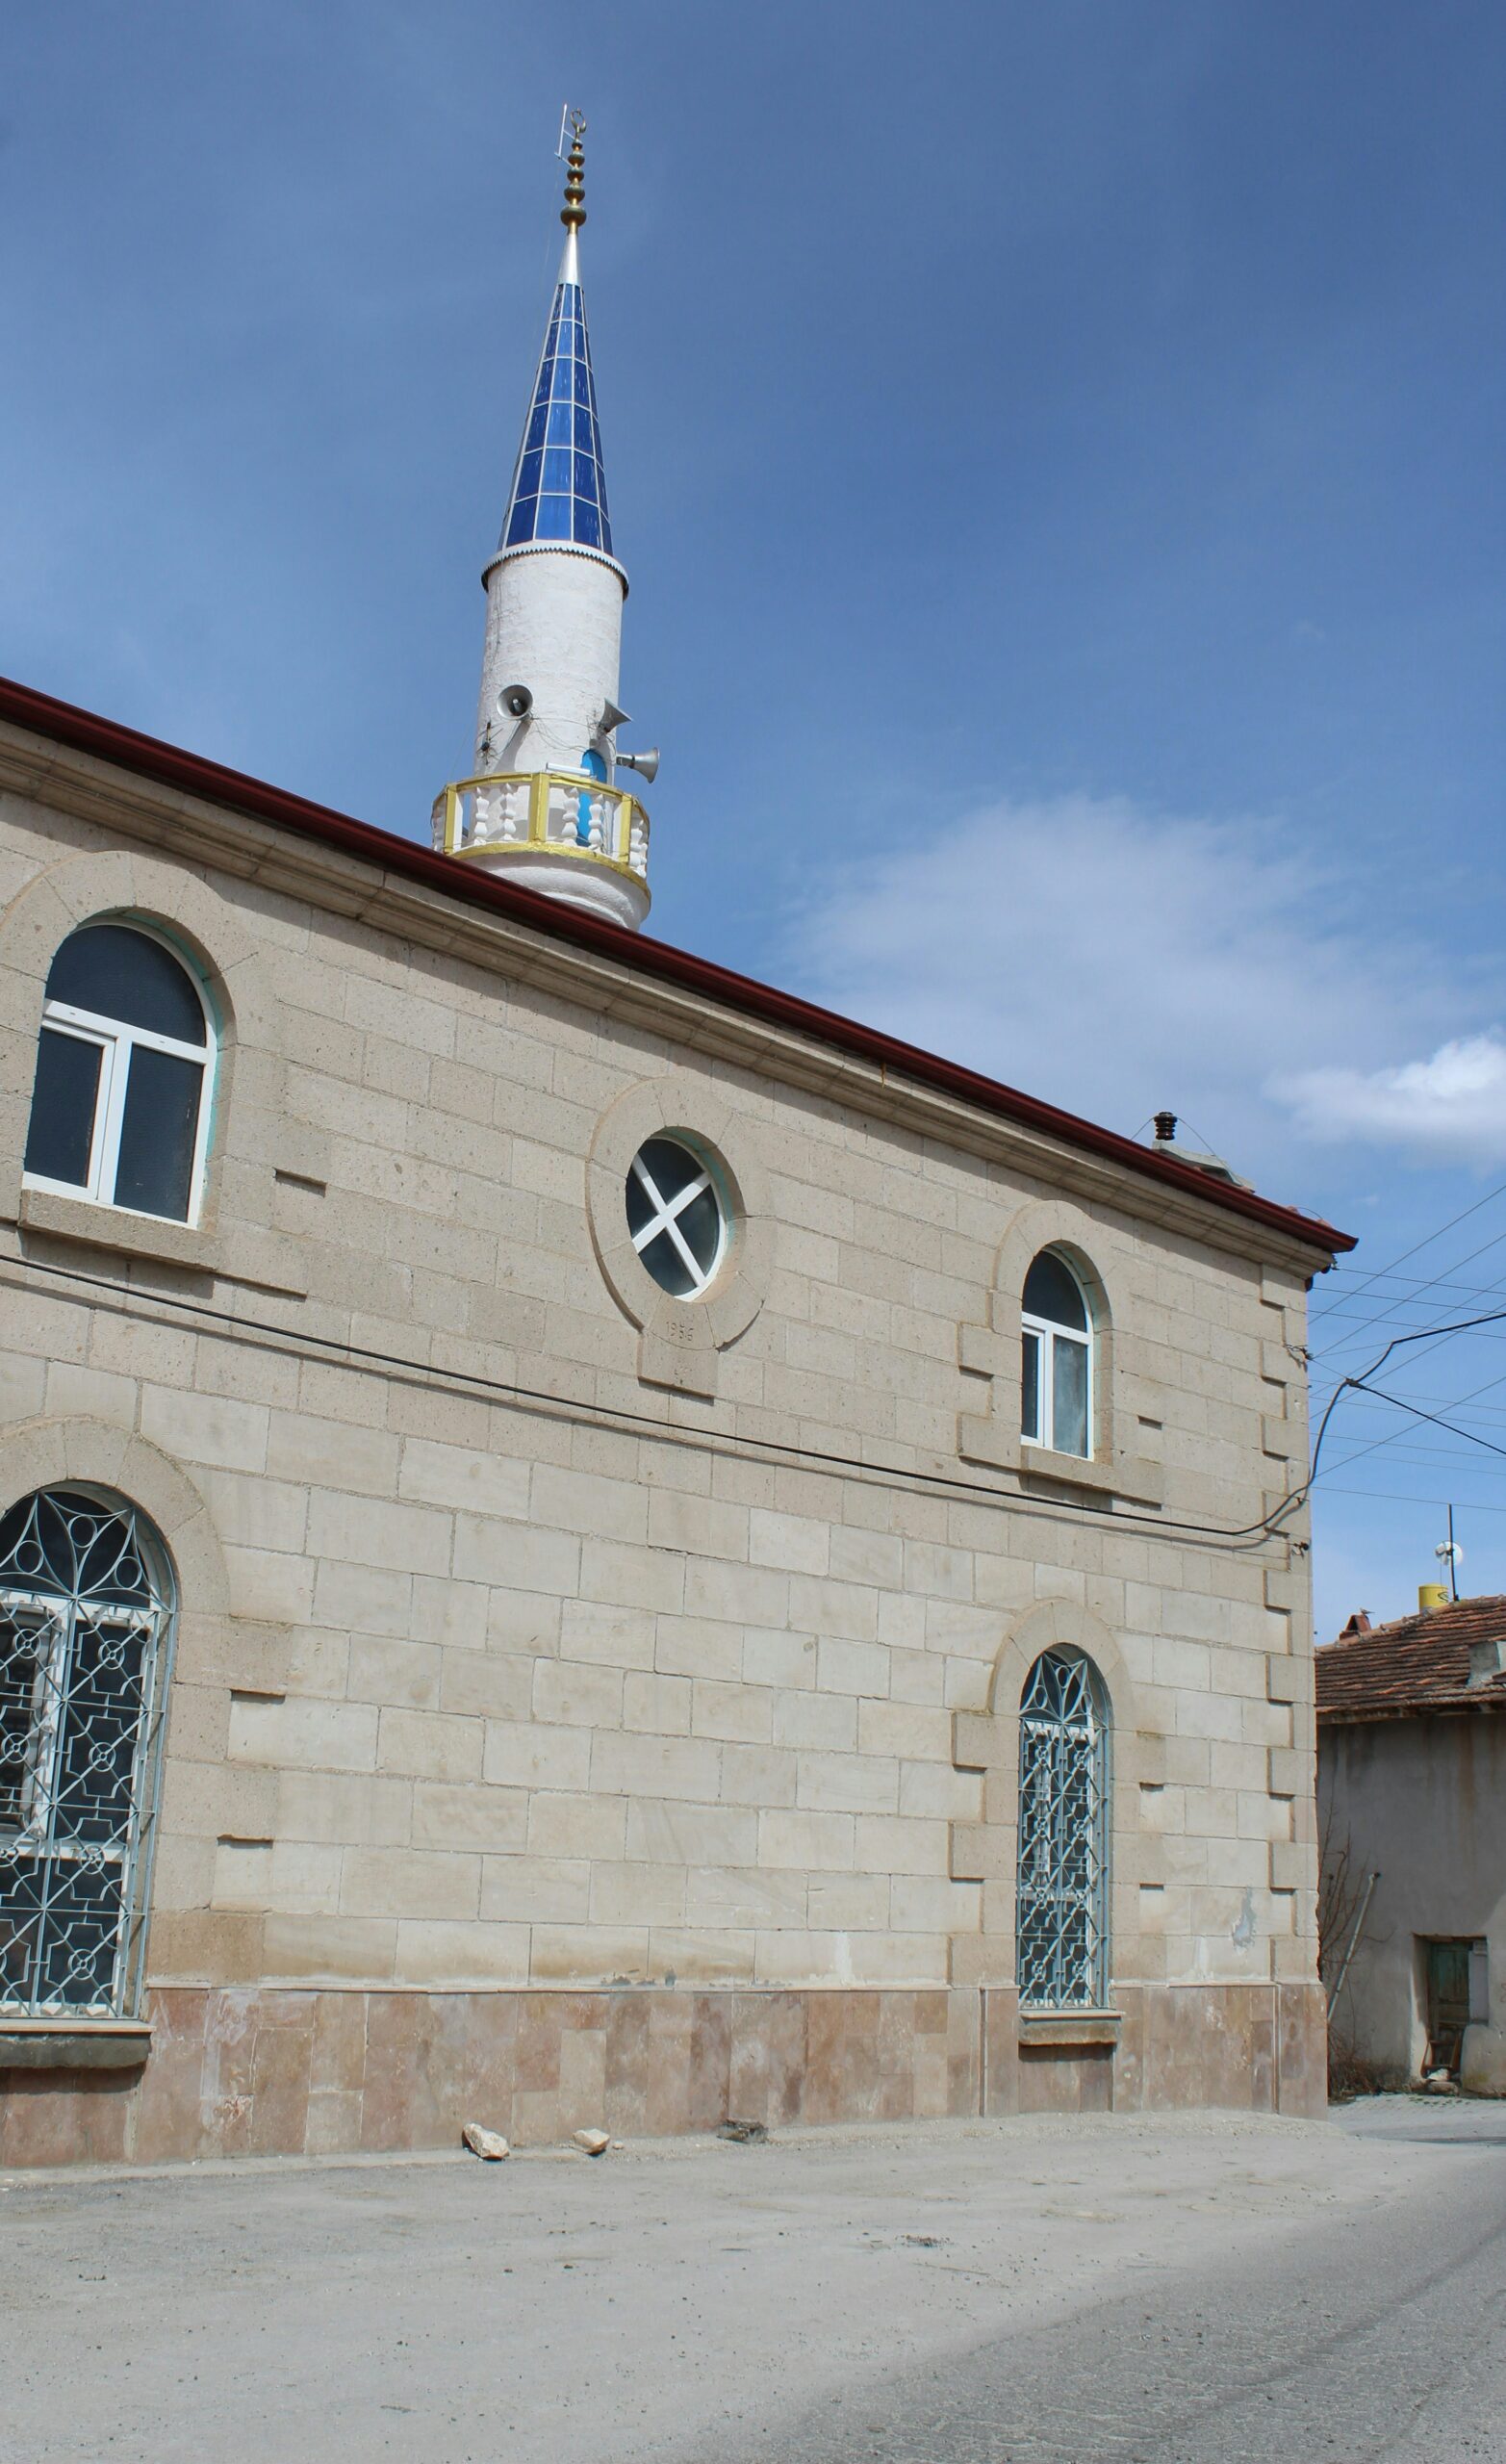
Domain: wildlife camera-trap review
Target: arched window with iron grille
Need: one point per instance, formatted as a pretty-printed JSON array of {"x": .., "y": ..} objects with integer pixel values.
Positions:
[
  {"x": 87, "y": 1603},
  {"x": 1062, "y": 1919}
]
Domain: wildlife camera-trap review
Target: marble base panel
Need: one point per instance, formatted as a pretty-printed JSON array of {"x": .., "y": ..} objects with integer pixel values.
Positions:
[
  {"x": 1250, "y": 2048},
  {"x": 264, "y": 2070}
]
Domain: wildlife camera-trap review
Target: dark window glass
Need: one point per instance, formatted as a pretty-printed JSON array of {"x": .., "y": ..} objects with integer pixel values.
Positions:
[
  {"x": 563, "y": 386},
  {"x": 115, "y": 973},
  {"x": 99, "y": 1730},
  {"x": 1051, "y": 1291},
  {"x": 554, "y": 520},
  {"x": 699, "y": 1228},
  {"x": 521, "y": 526},
  {"x": 585, "y": 477},
  {"x": 79, "y": 1912},
  {"x": 640, "y": 1205},
  {"x": 673, "y": 1168},
  {"x": 528, "y": 475},
  {"x": 668, "y": 1267},
  {"x": 562, "y": 420},
  {"x": 582, "y": 382},
  {"x": 62, "y": 1132},
  {"x": 537, "y": 424},
  {"x": 27, "y": 1642},
  {"x": 588, "y": 525},
  {"x": 1029, "y": 1387},
  {"x": 668, "y": 1164},
  {"x": 585, "y": 438},
  {"x": 556, "y": 470},
  {"x": 162, "y": 1101}
]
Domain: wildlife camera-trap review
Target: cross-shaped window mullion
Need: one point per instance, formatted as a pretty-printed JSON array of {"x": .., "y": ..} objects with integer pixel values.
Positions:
[{"x": 664, "y": 1220}]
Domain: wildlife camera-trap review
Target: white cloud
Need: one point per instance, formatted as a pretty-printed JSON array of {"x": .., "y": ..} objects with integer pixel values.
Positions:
[
  {"x": 1115, "y": 961},
  {"x": 1450, "y": 1108}
]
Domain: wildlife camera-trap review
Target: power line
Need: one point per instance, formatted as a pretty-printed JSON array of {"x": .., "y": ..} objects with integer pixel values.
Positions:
[
  {"x": 1415, "y": 1283},
  {"x": 301, "y": 1341},
  {"x": 1418, "y": 1414},
  {"x": 1406, "y": 1496},
  {"x": 1345, "y": 1342},
  {"x": 1418, "y": 1246},
  {"x": 1376, "y": 1444}
]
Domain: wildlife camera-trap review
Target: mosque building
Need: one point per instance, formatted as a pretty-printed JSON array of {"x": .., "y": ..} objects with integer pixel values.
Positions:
[{"x": 583, "y": 1542}]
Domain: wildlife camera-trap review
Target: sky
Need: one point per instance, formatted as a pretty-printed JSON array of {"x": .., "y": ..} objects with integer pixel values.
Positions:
[{"x": 1056, "y": 454}]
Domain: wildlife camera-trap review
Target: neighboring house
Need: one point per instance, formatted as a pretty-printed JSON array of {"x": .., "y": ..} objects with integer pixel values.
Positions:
[
  {"x": 1412, "y": 1792},
  {"x": 582, "y": 1539}
]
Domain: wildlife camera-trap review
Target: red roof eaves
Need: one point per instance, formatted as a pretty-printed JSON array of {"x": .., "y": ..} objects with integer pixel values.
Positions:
[{"x": 60, "y": 723}]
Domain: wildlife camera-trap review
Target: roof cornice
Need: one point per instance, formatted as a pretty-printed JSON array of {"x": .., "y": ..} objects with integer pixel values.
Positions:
[
  {"x": 1438, "y": 1706},
  {"x": 403, "y": 887}
]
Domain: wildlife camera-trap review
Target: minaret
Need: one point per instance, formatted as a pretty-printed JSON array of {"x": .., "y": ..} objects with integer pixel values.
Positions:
[{"x": 543, "y": 806}]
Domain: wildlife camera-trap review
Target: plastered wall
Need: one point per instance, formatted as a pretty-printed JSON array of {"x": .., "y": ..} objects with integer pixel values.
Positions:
[{"x": 1420, "y": 1805}]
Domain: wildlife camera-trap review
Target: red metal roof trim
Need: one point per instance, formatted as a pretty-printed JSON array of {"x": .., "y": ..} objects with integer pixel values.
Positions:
[
  {"x": 60, "y": 723},
  {"x": 1412, "y": 1665}
]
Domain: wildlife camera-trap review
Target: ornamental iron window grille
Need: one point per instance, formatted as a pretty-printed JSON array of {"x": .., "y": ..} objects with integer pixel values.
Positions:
[
  {"x": 1061, "y": 1929},
  {"x": 85, "y": 1630}
]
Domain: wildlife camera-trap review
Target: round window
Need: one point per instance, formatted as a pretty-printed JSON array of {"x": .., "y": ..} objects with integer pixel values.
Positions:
[{"x": 675, "y": 1215}]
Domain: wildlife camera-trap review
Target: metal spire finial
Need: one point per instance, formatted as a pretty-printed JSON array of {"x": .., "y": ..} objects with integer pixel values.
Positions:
[{"x": 572, "y": 212}]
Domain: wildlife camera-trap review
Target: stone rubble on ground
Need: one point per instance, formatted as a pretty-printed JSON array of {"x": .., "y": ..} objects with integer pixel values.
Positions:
[
  {"x": 594, "y": 2143},
  {"x": 482, "y": 2142}
]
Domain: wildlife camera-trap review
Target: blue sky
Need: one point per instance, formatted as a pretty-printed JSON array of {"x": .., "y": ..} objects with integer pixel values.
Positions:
[{"x": 1057, "y": 456}]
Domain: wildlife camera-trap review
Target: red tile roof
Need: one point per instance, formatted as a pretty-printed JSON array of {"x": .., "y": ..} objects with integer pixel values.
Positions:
[
  {"x": 1416, "y": 1664},
  {"x": 60, "y": 723}
]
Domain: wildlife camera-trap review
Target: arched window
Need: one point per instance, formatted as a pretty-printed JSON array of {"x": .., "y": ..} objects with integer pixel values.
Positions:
[
  {"x": 1056, "y": 1365},
  {"x": 1061, "y": 1926},
  {"x": 119, "y": 1114},
  {"x": 86, "y": 1619}
]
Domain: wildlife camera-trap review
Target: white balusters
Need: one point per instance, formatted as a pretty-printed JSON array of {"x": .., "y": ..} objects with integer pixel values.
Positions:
[{"x": 579, "y": 817}]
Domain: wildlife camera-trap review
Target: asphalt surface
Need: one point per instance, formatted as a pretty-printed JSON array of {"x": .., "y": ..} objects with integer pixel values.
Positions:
[
  {"x": 1173, "y": 2288},
  {"x": 1377, "y": 2338}
]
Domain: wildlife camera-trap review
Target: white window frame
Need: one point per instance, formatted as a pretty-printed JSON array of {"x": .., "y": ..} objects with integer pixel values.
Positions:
[
  {"x": 115, "y": 1041},
  {"x": 667, "y": 1209},
  {"x": 1048, "y": 1333}
]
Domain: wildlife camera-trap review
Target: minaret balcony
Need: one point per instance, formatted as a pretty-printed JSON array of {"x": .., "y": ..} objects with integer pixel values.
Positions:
[{"x": 558, "y": 831}]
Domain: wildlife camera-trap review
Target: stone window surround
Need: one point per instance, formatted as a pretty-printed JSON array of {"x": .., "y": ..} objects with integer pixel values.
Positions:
[
  {"x": 678, "y": 1341},
  {"x": 247, "y": 1070},
  {"x": 1121, "y": 1462},
  {"x": 207, "y": 1655},
  {"x": 986, "y": 1851}
]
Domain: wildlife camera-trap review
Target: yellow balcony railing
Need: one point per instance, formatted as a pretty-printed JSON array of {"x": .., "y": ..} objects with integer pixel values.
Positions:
[{"x": 563, "y": 810}]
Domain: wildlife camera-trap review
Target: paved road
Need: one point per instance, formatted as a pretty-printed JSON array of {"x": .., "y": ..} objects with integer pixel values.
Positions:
[
  {"x": 1381, "y": 2337},
  {"x": 1175, "y": 2289}
]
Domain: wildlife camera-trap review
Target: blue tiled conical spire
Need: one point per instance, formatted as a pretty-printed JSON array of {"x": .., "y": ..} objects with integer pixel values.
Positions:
[{"x": 559, "y": 488}]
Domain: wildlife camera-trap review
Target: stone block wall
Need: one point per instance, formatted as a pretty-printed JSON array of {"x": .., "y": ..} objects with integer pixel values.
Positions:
[{"x": 529, "y": 1641}]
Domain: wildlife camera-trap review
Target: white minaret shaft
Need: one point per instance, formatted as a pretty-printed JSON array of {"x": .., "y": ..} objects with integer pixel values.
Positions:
[{"x": 554, "y": 593}]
